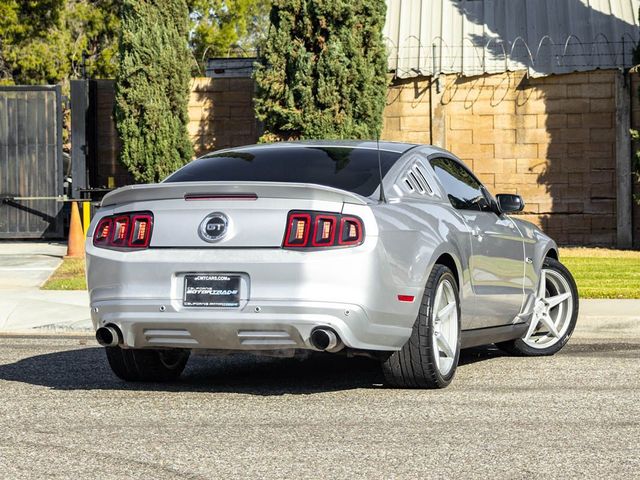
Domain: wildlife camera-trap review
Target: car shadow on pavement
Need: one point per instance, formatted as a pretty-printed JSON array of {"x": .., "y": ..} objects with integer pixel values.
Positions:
[{"x": 87, "y": 369}]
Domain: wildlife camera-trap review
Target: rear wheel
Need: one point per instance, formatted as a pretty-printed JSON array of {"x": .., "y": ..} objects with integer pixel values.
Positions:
[
  {"x": 138, "y": 365},
  {"x": 430, "y": 357},
  {"x": 555, "y": 313}
]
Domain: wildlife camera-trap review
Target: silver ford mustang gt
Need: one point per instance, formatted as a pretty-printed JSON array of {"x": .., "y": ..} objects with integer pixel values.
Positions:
[{"x": 395, "y": 251}]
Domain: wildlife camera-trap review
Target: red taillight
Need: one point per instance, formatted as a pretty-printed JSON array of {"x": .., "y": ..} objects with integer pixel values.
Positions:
[
  {"x": 350, "y": 231},
  {"x": 124, "y": 231},
  {"x": 120, "y": 231},
  {"x": 140, "y": 230},
  {"x": 322, "y": 230},
  {"x": 298, "y": 228},
  {"x": 102, "y": 231}
]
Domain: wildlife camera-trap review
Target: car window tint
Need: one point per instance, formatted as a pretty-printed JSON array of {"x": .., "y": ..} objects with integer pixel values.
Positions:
[
  {"x": 462, "y": 188},
  {"x": 346, "y": 168}
]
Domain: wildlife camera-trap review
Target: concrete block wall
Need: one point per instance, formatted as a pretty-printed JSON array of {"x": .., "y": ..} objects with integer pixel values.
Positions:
[
  {"x": 407, "y": 112},
  {"x": 551, "y": 140},
  {"x": 221, "y": 113}
]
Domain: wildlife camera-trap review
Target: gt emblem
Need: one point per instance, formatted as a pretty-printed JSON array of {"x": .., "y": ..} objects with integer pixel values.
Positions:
[{"x": 214, "y": 227}]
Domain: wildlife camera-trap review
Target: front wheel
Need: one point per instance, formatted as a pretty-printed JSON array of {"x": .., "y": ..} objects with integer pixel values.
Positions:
[
  {"x": 142, "y": 365},
  {"x": 555, "y": 313},
  {"x": 430, "y": 357}
]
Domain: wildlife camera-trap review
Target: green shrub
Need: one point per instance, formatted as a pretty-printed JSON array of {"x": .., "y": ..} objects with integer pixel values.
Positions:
[
  {"x": 322, "y": 71},
  {"x": 152, "y": 88}
]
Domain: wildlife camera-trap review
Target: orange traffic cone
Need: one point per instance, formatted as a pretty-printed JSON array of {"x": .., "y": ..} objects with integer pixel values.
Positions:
[{"x": 75, "y": 245}]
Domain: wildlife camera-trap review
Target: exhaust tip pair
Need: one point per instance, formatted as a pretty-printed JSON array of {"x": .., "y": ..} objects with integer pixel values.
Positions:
[{"x": 323, "y": 339}]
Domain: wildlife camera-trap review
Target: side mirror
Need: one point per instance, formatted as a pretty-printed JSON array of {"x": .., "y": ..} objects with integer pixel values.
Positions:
[{"x": 509, "y": 203}]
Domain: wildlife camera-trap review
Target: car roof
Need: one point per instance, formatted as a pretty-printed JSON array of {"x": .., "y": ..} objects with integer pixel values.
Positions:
[{"x": 397, "y": 147}]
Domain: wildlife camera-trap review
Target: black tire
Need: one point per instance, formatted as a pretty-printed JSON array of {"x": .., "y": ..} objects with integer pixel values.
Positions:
[
  {"x": 519, "y": 348},
  {"x": 414, "y": 366},
  {"x": 141, "y": 365}
]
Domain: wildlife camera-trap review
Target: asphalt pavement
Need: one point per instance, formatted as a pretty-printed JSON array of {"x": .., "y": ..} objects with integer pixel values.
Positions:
[
  {"x": 64, "y": 415},
  {"x": 574, "y": 415}
]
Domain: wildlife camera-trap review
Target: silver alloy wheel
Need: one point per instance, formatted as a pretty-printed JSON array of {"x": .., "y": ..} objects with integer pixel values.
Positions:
[
  {"x": 552, "y": 311},
  {"x": 445, "y": 327}
]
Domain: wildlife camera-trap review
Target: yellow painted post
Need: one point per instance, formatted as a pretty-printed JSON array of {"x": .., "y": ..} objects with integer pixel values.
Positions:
[{"x": 86, "y": 216}]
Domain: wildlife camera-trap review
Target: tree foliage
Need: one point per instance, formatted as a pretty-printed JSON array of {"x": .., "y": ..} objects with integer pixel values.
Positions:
[
  {"x": 152, "y": 88},
  {"x": 226, "y": 28},
  {"x": 43, "y": 41},
  {"x": 323, "y": 69},
  {"x": 93, "y": 28}
]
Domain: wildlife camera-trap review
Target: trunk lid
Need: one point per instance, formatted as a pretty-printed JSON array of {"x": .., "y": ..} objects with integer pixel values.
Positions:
[{"x": 255, "y": 213}]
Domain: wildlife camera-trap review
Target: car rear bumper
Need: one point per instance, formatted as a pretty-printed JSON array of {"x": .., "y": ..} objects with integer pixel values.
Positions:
[
  {"x": 285, "y": 295},
  {"x": 258, "y": 326}
]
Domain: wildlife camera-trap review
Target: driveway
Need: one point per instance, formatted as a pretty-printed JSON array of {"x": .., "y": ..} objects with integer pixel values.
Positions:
[{"x": 24, "y": 266}]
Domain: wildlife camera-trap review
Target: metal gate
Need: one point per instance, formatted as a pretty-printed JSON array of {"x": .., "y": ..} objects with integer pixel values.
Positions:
[{"x": 30, "y": 162}]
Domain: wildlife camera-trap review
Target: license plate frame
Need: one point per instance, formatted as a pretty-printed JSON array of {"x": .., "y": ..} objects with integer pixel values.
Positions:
[{"x": 211, "y": 290}]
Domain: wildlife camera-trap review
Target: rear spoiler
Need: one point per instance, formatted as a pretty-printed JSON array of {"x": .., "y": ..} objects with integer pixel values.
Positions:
[{"x": 175, "y": 190}]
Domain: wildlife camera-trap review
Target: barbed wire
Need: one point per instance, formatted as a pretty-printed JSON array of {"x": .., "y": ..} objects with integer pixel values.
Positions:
[{"x": 492, "y": 55}]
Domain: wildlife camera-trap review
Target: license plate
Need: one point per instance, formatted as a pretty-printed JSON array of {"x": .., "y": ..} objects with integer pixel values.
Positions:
[{"x": 211, "y": 290}]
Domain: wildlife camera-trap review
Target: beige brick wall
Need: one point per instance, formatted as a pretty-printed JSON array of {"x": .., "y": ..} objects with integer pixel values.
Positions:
[
  {"x": 221, "y": 113},
  {"x": 407, "y": 113},
  {"x": 550, "y": 139}
]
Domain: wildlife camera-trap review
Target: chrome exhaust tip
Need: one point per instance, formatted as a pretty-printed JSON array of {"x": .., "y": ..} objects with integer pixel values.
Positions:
[
  {"x": 325, "y": 340},
  {"x": 109, "y": 336}
]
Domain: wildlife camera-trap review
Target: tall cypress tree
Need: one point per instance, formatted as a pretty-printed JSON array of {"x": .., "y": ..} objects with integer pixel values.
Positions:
[
  {"x": 152, "y": 88},
  {"x": 322, "y": 72}
]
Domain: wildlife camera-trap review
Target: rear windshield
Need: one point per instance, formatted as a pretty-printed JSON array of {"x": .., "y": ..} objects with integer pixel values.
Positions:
[{"x": 351, "y": 169}]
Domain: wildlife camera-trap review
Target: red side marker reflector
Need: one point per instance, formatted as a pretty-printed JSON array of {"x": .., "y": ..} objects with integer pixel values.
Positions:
[{"x": 405, "y": 298}]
